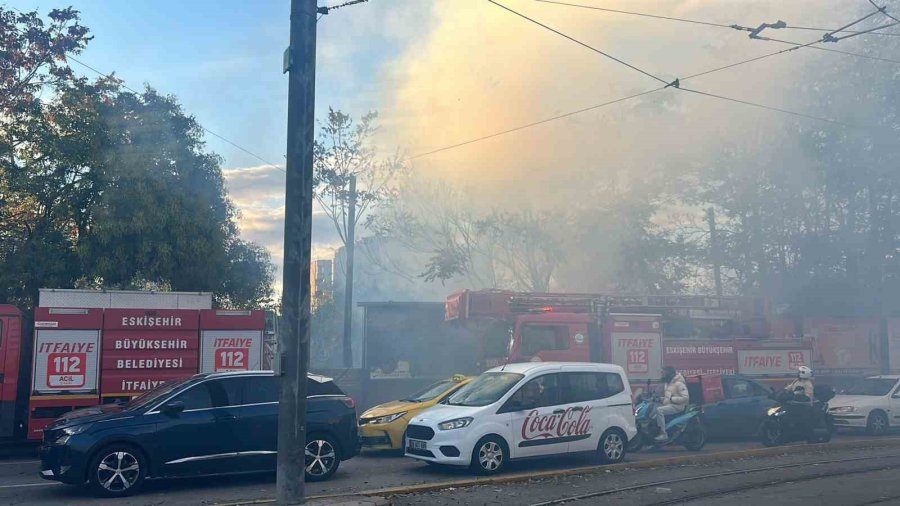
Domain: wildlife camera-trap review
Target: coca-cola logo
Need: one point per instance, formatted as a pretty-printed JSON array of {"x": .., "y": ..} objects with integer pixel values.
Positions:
[{"x": 571, "y": 422}]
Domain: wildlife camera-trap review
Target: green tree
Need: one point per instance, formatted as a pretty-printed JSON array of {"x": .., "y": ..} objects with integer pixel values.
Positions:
[{"x": 99, "y": 187}]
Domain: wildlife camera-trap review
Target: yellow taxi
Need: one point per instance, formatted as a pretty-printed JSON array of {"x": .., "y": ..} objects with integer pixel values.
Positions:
[{"x": 382, "y": 427}]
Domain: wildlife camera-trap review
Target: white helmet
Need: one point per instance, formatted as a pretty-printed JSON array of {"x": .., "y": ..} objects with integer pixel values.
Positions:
[{"x": 804, "y": 372}]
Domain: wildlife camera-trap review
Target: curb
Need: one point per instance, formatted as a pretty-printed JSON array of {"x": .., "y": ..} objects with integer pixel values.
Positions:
[{"x": 699, "y": 458}]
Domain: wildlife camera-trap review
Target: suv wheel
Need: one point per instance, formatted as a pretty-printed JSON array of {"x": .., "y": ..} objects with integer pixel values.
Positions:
[
  {"x": 117, "y": 471},
  {"x": 322, "y": 457},
  {"x": 490, "y": 455}
]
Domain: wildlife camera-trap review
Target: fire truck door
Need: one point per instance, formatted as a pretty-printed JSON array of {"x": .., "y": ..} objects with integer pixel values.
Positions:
[{"x": 558, "y": 342}]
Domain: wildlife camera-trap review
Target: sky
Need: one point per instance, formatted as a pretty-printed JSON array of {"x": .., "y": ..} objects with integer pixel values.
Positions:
[{"x": 440, "y": 72}]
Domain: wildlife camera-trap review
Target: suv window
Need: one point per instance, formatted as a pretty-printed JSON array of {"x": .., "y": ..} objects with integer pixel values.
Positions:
[
  {"x": 195, "y": 397},
  {"x": 589, "y": 386},
  {"x": 260, "y": 389},
  {"x": 230, "y": 390},
  {"x": 540, "y": 392},
  {"x": 314, "y": 387},
  {"x": 537, "y": 338}
]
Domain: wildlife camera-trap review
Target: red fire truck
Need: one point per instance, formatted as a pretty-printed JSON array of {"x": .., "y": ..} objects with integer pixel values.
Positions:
[
  {"x": 696, "y": 334},
  {"x": 119, "y": 345}
]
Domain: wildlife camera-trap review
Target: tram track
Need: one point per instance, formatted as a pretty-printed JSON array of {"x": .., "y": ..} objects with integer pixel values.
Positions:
[{"x": 730, "y": 490}]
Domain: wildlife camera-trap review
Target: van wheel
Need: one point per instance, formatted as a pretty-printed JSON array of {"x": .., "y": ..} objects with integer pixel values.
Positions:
[
  {"x": 490, "y": 455},
  {"x": 117, "y": 471},
  {"x": 323, "y": 456},
  {"x": 612, "y": 446}
]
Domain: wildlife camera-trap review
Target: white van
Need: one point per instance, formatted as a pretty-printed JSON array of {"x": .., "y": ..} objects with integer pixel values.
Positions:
[{"x": 528, "y": 410}]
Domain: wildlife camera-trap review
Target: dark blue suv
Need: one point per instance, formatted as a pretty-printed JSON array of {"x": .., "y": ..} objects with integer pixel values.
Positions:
[{"x": 208, "y": 424}]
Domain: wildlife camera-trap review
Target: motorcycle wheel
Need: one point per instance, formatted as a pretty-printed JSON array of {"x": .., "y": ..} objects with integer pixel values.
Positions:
[
  {"x": 770, "y": 433},
  {"x": 695, "y": 440},
  {"x": 636, "y": 443}
]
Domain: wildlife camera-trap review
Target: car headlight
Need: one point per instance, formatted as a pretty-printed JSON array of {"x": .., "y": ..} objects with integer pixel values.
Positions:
[
  {"x": 71, "y": 431},
  {"x": 457, "y": 423},
  {"x": 843, "y": 409},
  {"x": 388, "y": 418},
  {"x": 772, "y": 411}
]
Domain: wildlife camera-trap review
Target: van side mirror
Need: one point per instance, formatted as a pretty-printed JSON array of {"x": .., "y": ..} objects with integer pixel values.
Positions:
[{"x": 172, "y": 408}]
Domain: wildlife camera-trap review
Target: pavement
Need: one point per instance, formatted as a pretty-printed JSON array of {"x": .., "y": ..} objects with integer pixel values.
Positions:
[{"x": 366, "y": 475}]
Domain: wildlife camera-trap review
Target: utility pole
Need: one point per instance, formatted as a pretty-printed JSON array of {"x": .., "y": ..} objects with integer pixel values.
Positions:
[
  {"x": 714, "y": 249},
  {"x": 293, "y": 359},
  {"x": 348, "y": 287}
]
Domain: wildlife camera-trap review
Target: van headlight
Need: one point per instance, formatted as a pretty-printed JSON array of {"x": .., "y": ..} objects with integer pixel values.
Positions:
[
  {"x": 772, "y": 411},
  {"x": 457, "y": 423},
  {"x": 843, "y": 409},
  {"x": 388, "y": 418}
]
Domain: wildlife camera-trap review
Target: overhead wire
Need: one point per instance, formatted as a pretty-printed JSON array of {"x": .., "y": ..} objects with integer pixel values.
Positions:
[
  {"x": 674, "y": 84},
  {"x": 536, "y": 123},
  {"x": 132, "y": 90},
  {"x": 707, "y": 23},
  {"x": 592, "y": 48}
]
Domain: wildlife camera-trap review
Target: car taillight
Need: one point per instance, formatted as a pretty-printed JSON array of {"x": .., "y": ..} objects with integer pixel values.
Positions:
[{"x": 350, "y": 402}]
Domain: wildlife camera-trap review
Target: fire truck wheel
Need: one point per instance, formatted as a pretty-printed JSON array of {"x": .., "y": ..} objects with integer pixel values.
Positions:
[
  {"x": 490, "y": 455},
  {"x": 323, "y": 456},
  {"x": 612, "y": 446},
  {"x": 117, "y": 470}
]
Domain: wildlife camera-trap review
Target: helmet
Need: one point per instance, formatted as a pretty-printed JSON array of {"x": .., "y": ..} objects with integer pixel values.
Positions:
[
  {"x": 668, "y": 372},
  {"x": 804, "y": 372}
]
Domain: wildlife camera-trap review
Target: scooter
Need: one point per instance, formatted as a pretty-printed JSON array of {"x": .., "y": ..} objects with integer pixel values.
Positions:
[
  {"x": 796, "y": 418},
  {"x": 685, "y": 428}
]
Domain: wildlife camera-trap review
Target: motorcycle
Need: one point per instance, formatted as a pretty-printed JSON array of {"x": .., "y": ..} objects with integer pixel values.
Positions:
[
  {"x": 796, "y": 418},
  {"x": 684, "y": 428}
]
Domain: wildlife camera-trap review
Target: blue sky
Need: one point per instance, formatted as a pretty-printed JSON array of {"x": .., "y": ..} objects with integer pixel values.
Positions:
[{"x": 223, "y": 61}]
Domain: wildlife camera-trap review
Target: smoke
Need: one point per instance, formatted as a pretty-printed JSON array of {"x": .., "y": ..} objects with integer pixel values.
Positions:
[{"x": 482, "y": 69}]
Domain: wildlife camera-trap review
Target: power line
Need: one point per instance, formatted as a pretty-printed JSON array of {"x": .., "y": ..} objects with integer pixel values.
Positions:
[
  {"x": 122, "y": 83},
  {"x": 592, "y": 48},
  {"x": 540, "y": 122},
  {"x": 707, "y": 23},
  {"x": 210, "y": 132},
  {"x": 819, "y": 48},
  {"x": 675, "y": 84},
  {"x": 766, "y": 107}
]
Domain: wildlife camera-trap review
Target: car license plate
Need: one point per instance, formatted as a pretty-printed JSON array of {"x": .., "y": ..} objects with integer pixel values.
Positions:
[{"x": 413, "y": 444}]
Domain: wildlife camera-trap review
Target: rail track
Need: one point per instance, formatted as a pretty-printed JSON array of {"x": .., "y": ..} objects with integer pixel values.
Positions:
[{"x": 731, "y": 490}]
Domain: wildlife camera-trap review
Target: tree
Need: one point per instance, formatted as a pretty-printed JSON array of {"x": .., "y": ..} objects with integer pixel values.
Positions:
[
  {"x": 104, "y": 188},
  {"x": 344, "y": 149}
]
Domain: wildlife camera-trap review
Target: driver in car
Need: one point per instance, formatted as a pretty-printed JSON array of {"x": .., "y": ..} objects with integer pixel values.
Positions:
[{"x": 531, "y": 393}]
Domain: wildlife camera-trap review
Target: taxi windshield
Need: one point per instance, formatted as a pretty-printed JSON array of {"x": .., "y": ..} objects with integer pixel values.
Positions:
[
  {"x": 486, "y": 389},
  {"x": 431, "y": 392}
]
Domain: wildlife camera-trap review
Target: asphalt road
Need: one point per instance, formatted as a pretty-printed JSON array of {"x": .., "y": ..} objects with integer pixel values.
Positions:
[
  {"x": 20, "y": 483},
  {"x": 823, "y": 477}
]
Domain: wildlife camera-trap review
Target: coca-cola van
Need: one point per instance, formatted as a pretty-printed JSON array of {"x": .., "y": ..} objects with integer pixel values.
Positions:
[{"x": 528, "y": 410}]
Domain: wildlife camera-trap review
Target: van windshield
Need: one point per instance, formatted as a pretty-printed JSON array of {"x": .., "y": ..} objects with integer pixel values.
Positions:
[{"x": 486, "y": 389}]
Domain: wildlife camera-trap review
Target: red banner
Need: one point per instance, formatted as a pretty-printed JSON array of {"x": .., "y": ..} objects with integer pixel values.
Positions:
[{"x": 696, "y": 357}]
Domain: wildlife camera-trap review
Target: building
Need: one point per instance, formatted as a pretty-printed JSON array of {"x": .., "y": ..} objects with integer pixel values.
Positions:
[{"x": 322, "y": 281}]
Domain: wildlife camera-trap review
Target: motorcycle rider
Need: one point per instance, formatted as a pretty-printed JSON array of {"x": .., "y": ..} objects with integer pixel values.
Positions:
[
  {"x": 802, "y": 383},
  {"x": 675, "y": 400}
]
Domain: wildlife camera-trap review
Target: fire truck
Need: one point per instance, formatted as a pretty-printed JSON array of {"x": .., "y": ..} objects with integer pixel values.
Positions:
[
  {"x": 92, "y": 347},
  {"x": 697, "y": 335}
]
